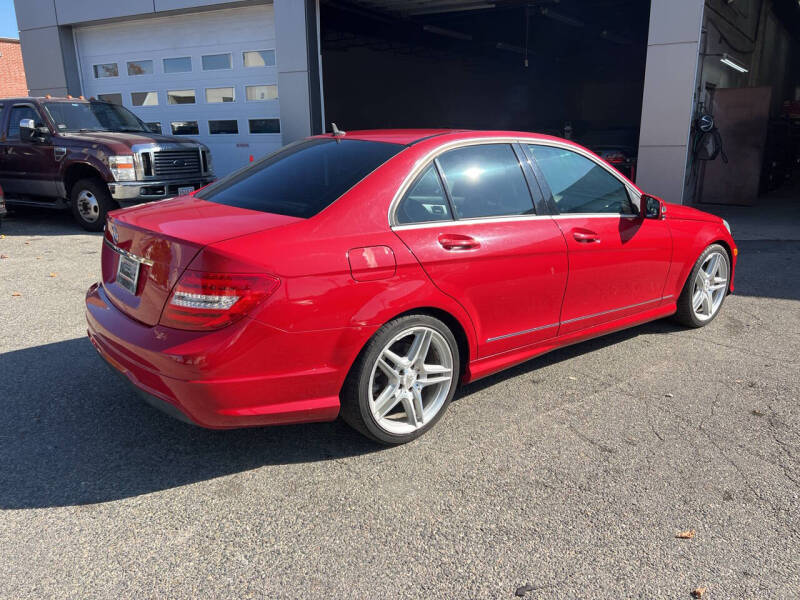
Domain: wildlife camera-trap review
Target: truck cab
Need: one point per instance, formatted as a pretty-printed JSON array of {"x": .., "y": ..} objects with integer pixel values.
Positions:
[{"x": 91, "y": 157}]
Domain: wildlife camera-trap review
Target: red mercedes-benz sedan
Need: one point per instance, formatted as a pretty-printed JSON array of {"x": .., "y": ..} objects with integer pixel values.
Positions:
[{"x": 366, "y": 274}]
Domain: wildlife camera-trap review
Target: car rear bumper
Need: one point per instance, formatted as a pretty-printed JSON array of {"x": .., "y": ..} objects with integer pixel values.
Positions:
[
  {"x": 133, "y": 192},
  {"x": 247, "y": 374}
]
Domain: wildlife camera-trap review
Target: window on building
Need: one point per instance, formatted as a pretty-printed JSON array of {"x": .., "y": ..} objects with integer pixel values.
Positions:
[
  {"x": 259, "y": 93},
  {"x": 215, "y": 62},
  {"x": 111, "y": 98},
  {"x": 580, "y": 185},
  {"x": 18, "y": 113},
  {"x": 140, "y": 67},
  {"x": 180, "y": 97},
  {"x": 259, "y": 58},
  {"x": 106, "y": 70},
  {"x": 144, "y": 98},
  {"x": 181, "y": 64},
  {"x": 221, "y": 94},
  {"x": 486, "y": 180},
  {"x": 184, "y": 128},
  {"x": 227, "y": 126},
  {"x": 425, "y": 200},
  {"x": 265, "y": 125}
]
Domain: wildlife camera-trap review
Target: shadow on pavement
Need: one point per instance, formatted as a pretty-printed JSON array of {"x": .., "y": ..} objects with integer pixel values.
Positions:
[
  {"x": 768, "y": 269},
  {"x": 30, "y": 222},
  {"x": 71, "y": 433}
]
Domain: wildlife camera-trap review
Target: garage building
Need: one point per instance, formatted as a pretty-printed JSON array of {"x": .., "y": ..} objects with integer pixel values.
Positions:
[{"x": 626, "y": 77}]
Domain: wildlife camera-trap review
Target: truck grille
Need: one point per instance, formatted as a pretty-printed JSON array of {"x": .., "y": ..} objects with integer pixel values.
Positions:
[{"x": 176, "y": 162}]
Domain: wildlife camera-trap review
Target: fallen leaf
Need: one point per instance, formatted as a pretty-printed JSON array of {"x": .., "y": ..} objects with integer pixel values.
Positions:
[
  {"x": 686, "y": 535},
  {"x": 698, "y": 592},
  {"x": 27, "y": 243},
  {"x": 523, "y": 589},
  {"x": 52, "y": 274},
  {"x": 3, "y": 255},
  {"x": 756, "y": 413},
  {"x": 16, "y": 294},
  {"x": 668, "y": 395},
  {"x": 38, "y": 258},
  {"x": 2, "y": 236},
  {"x": 573, "y": 378}
]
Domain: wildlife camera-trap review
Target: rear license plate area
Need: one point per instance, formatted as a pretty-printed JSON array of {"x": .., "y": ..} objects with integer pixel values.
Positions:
[{"x": 128, "y": 273}]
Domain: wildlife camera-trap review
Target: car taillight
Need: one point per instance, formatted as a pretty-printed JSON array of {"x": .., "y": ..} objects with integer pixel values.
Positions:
[{"x": 203, "y": 300}]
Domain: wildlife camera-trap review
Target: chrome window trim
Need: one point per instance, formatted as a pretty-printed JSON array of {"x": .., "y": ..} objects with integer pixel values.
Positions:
[
  {"x": 423, "y": 162},
  {"x": 605, "y": 312},
  {"x": 470, "y": 221}
]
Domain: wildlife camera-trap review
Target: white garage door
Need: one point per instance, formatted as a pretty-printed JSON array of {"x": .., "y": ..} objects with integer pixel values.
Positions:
[{"x": 209, "y": 76}]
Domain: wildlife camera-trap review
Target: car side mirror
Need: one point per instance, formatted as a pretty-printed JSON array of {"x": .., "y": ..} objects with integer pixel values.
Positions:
[{"x": 652, "y": 208}]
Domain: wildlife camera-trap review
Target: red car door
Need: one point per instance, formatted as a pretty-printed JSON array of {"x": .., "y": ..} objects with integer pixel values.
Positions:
[
  {"x": 470, "y": 221},
  {"x": 618, "y": 261}
]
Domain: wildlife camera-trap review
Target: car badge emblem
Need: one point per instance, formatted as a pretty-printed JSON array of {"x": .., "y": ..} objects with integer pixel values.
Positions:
[{"x": 178, "y": 163}]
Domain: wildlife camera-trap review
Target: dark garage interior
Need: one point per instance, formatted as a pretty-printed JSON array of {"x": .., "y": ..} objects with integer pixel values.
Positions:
[{"x": 573, "y": 68}]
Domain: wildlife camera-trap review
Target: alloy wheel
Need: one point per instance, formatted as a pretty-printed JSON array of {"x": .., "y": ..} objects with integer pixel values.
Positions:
[
  {"x": 710, "y": 286},
  {"x": 410, "y": 380}
]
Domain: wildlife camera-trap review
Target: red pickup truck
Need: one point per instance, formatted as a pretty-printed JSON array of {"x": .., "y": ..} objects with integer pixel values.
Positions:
[{"x": 92, "y": 157}]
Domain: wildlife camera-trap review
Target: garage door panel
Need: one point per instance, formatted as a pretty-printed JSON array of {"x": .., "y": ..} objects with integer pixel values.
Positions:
[{"x": 228, "y": 32}]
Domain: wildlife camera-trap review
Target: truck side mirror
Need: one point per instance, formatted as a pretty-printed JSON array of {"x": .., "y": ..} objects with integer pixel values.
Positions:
[
  {"x": 27, "y": 130},
  {"x": 652, "y": 208}
]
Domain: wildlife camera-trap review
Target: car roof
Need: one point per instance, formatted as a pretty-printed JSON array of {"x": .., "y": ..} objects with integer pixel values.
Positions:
[{"x": 409, "y": 137}]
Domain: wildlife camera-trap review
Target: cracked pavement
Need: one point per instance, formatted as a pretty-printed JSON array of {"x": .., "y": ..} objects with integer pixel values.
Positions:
[{"x": 571, "y": 473}]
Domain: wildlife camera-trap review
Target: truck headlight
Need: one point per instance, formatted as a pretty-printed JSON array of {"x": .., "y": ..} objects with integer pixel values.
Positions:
[
  {"x": 122, "y": 167},
  {"x": 727, "y": 226}
]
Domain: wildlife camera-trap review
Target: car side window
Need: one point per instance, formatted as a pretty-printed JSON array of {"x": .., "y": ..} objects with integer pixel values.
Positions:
[
  {"x": 580, "y": 185},
  {"x": 425, "y": 200},
  {"x": 486, "y": 180},
  {"x": 17, "y": 114}
]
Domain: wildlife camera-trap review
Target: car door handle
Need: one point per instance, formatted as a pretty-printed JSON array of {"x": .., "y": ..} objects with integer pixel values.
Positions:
[
  {"x": 585, "y": 236},
  {"x": 456, "y": 241}
]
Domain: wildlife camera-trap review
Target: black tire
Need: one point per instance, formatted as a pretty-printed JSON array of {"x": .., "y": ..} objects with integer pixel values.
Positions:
[
  {"x": 98, "y": 191},
  {"x": 355, "y": 410},
  {"x": 685, "y": 314}
]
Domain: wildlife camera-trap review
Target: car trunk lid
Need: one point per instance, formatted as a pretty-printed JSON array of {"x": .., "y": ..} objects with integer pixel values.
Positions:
[{"x": 146, "y": 248}]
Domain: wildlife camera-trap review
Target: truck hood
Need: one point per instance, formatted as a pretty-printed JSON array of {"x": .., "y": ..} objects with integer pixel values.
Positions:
[
  {"x": 687, "y": 213},
  {"x": 123, "y": 141}
]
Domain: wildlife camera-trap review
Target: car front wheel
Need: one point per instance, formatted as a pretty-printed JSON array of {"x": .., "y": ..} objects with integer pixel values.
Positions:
[
  {"x": 403, "y": 380},
  {"x": 705, "y": 289}
]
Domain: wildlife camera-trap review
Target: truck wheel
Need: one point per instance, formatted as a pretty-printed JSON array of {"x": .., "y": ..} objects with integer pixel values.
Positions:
[{"x": 90, "y": 202}]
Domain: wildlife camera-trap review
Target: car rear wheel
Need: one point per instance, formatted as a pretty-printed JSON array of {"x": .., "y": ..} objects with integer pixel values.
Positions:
[
  {"x": 403, "y": 380},
  {"x": 91, "y": 201},
  {"x": 705, "y": 289}
]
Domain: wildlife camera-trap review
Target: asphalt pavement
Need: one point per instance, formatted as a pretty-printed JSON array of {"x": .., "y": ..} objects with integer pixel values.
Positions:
[{"x": 571, "y": 474}]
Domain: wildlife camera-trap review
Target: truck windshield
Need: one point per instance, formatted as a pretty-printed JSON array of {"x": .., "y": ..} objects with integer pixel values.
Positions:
[
  {"x": 92, "y": 116},
  {"x": 302, "y": 178}
]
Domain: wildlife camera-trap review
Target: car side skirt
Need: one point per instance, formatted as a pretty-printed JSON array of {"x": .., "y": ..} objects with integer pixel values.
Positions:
[{"x": 492, "y": 364}]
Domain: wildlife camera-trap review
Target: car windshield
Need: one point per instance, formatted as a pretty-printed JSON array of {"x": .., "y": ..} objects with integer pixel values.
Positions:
[
  {"x": 92, "y": 116},
  {"x": 301, "y": 179}
]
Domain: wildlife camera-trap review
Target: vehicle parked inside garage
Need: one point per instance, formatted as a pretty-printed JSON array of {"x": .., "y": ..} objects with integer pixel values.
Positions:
[
  {"x": 92, "y": 157},
  {"x": 368, "y": 273}
]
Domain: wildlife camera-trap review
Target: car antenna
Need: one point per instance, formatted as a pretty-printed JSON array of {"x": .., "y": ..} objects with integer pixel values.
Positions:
[{"x": 336, "y": 131}]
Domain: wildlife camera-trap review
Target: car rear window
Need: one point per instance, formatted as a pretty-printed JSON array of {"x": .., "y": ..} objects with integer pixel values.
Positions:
[{"x": 301, "y": 179}]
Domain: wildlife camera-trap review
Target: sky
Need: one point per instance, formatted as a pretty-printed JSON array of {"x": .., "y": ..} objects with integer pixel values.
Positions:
[{"x": 8, "y": 19}]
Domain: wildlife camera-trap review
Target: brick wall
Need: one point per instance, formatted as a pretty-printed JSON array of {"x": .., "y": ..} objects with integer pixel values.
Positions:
[{"x": 12, "y": 73}]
